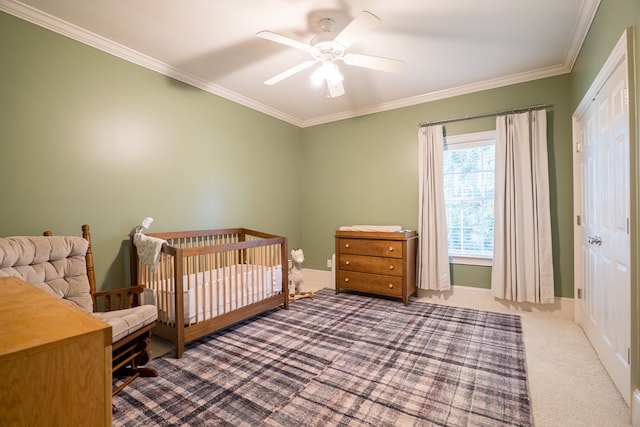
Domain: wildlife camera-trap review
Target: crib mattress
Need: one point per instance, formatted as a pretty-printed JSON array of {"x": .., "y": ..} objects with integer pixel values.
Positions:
[{"x": 210, "y": 293}]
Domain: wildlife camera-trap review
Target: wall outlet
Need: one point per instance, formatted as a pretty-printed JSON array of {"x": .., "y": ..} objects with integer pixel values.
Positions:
[{"x": 328, "y": 263}]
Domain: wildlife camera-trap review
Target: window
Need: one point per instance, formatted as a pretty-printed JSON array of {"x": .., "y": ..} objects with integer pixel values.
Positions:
[{"x": 469, "y": 164}]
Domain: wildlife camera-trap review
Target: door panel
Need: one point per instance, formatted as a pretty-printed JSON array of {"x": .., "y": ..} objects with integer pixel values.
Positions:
[{"x": 604, "y": 310}]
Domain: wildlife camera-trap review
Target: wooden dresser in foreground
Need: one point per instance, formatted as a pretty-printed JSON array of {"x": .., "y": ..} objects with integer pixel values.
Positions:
[
  {"x": 55, "y": 361},
  {"x": 381, "y": 263}
]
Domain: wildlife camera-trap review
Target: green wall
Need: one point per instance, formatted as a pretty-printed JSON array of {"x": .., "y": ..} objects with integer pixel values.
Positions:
[
  {"x": 365, "y": 171},
  {"x": 89, "y": 138}
]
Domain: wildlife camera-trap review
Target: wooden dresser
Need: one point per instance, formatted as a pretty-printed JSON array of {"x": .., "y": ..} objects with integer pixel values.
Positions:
[
  {"x": 381, "y": 263},
  {"x": 55, "y": 361}
]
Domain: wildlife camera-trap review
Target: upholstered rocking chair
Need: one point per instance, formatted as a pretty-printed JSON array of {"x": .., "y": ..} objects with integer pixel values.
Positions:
[{"x": 63, "y": 266}]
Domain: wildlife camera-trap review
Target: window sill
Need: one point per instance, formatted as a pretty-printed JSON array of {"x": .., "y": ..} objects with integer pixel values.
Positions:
[{"x": 471, "y": 260}]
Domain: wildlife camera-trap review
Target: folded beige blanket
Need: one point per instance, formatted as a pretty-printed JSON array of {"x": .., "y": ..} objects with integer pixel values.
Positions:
[{"x": 390, "y": 228}]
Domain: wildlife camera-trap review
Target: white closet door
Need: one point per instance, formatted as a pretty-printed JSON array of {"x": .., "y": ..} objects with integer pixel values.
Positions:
[{"x": 603, "y": 308}]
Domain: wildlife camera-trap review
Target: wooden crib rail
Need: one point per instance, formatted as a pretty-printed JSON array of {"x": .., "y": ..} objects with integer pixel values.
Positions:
[
  {"x": 241, "y": 234},
  {"x": 210, "y": 279},
  {"x": 198, "y": 242}
]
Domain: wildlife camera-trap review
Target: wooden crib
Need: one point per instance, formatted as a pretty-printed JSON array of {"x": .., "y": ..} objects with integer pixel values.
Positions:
[{"x": 207, "y": 280}]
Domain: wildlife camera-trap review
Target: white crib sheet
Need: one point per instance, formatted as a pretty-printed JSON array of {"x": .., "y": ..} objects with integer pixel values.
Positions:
[{"x": 210, "y": 293}]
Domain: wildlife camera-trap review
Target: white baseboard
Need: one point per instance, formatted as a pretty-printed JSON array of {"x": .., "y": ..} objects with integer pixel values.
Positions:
[
  {"x": 483, "y": 299},
  {"x": 316, "y": 279},
  {"x": 463, "y": 296}
]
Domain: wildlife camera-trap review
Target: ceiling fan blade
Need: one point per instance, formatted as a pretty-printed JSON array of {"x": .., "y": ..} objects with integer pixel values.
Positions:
[
  {"x": 290, "y": 72},
  {"x": 335, "y": 90},
  {"x": 361, "y": 25},
  {"x": 268, "y": 35},
  {"x": 374, "y": 62}
]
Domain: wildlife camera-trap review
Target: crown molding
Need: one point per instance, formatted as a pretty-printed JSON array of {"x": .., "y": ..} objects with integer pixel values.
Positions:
[
  {"x": 37, "y": 17},
  {"x": 585, "y": 18},
  {"x": 442, "y": 94},
  {"x": 81, "y": 35},
  {"x": 581, "y": 29}
]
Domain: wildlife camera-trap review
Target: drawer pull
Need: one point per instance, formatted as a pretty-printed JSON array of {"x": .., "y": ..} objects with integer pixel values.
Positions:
[
  {"x": 391, "y": 267},
  {"x": 390, "y": 248},
  {"x": 346, "y": 245},
  {"x": 390, "y": 285},
  {"x": 346, "y": 279},
  {"x": 347, "y": 262}
]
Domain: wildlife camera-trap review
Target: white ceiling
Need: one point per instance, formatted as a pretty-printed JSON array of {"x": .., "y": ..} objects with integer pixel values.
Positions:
[{"x": 450, "y": 47}]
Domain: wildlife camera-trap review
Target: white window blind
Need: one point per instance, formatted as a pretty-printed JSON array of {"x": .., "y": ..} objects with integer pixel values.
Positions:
[{"x": 469, "y": 180}]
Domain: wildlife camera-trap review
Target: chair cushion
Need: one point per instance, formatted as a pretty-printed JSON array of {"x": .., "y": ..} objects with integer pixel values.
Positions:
[
  {"x": 55, "y": 264},
  {"x": 125, "y": 321}
]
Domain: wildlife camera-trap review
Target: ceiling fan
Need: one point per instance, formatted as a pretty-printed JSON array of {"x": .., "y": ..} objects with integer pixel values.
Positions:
[{"x": 327, "y": 48}]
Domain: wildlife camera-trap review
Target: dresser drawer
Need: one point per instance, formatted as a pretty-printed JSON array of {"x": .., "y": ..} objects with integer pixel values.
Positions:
[
  {"x": 370, "y": 283},
  {"x": 385, "y": 248},
  {"x": 371, "y": 264}
]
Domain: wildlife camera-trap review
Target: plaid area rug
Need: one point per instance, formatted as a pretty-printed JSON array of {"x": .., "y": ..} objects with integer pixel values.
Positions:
[{"x": 343, "y": 360}]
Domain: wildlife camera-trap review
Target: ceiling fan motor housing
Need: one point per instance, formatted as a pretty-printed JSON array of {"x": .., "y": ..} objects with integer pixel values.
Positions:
[{"x": 323, "y": 47}]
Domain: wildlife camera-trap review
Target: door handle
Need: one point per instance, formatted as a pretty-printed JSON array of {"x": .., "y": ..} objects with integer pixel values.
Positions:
[{"x": 595, "y": 240}]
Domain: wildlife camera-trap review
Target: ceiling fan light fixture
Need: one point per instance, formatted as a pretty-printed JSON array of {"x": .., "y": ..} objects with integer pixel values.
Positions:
[
  {"x": 328, "y": 71},
  {"x": 317, "y": 77}
]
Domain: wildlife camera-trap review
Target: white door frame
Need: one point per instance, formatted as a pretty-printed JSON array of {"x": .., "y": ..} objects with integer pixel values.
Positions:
[{"x": 623, "y": 50}]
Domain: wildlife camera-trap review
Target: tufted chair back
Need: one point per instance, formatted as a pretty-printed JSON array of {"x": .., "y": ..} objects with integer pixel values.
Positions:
[{"x": 55, "y": 264}]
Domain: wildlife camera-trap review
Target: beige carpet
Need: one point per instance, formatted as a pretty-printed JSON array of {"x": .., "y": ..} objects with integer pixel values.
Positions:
[{"x": 568, "y": 385}]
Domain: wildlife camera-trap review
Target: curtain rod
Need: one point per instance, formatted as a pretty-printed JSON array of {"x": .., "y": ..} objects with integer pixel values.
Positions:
[{"x": 479, "y": 116}]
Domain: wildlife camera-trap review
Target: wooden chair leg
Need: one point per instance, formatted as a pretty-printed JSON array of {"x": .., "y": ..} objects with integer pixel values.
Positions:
[
  {"x": 132, "y": 374},
  {"x": 129, "y": 366}
]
